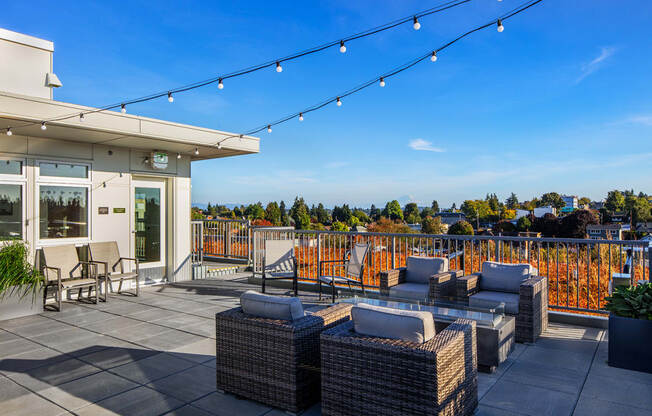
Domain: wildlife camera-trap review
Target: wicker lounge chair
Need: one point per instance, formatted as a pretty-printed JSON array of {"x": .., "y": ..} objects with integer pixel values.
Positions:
[
  {"x": 353, "y": 264},
  {"x": 524, "y": 293},
  {"x": 64, "y": 271},
  {"x": 273, "y": 361},
  {"x": 280, "y": 263},
  {"x": 373, "y": 376},
  {"x": 107, "y": 256},
  {"x": 423, "y": 278}
]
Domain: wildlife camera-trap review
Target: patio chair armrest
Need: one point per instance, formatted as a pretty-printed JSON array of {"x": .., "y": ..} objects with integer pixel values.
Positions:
[
  {"x": 335, "y": 315},
  {"x": 333, "y": 262},
  {"x": 57, "y": 270},
  {"x": 443, "y": 285},
  {"x": 91, "y": 265},
  {"x": 391, "y": 278},
  {"x": 457, "y": 337},
  {"x": 467, "y": 286},
  {"x": 105, "y": 264},
  {"x": 134, "y": 259},
  {"x": 532, "y": 318}
]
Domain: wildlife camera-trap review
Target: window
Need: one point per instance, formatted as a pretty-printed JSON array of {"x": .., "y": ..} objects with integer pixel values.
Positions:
[
  {"x": 12, "y": 188},
  {"x": 64, "y": 200}
]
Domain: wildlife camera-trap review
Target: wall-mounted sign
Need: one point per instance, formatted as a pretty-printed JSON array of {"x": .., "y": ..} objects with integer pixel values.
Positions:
[
  {"x": 103, "y": 210},
  {"x": 119, "y": 210},
  {"x": 159, "y": 160}
]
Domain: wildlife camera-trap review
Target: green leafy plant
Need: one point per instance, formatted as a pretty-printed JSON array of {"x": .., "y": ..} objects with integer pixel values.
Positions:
[
  {"x": 17, "y": 275},
  {"x": 631, "y": 301}
]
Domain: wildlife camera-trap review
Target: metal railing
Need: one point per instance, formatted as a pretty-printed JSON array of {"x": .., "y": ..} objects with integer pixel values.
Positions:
[
  {"x": 229, "y": 239},
  {"x": 578, "y": 270}
]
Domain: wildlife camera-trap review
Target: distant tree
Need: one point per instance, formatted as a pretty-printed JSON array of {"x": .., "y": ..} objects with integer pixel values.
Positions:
[
  {"x": 411, "y": 213},
  {"x": 615, "y": 201},
  {"x": 339, "y": 226},
  {"x": 432, "y": 225},
  {"x": 512, "y": 201},
  {"x": 427, "y": 212},
  {"x": 317, "y": 227},
  {"x": 353, "y": 221},
  {"x": 503, "y": 226},
  {"x": 374, "y": 213},
  {"x": 493, "y": 202},
  {"x": 385, "y": 225},
  {"x": 342, "y": 214},
  {"x": 255, "y": 211},
  {"x": 196, "y": 214},
  {"x": 507, "y": 214},
  {"x": 553, "y": 199},
  {"x": 285, "y": 219},
  {"x": 477, "y": 209},
  {"x": 322, "y": 214},
  {"x": 273, "y": 213},
  {"x": 361, "y": 216},
  {"x": 548, "y": 225},
  {"x": 584, "y": 201},
  {"x": 524, "y": 224},
  {"x": 574, "y": 224},
  {"x": 638, "y": 208},
  {"x": 393, "y": 211},
  {"x": 453, "y": 207},
  {"x": 299, "y": 213},
  {"x": 239, "y": 211},
  {"x": 261, "y": 223},
  {"x": 435, "y": 206},
  {"x": 460, "y": 228}
]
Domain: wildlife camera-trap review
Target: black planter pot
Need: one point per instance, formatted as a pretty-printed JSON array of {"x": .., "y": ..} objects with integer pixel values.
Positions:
[{"x": 630, "y": 343}]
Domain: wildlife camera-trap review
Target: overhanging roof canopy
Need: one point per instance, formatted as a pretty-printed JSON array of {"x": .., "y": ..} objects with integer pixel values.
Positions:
[{"x": 113, "y": 128}]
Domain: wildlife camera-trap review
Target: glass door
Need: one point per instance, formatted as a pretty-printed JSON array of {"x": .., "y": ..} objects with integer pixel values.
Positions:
[{"x": 149, "y": 222}]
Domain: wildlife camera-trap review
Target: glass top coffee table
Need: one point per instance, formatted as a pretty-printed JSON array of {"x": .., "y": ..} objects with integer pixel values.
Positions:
[{"x": 494, "y": 329}]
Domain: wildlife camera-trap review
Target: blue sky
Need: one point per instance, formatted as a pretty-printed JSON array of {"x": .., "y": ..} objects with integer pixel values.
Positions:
[{"x": 560, "y": 101}]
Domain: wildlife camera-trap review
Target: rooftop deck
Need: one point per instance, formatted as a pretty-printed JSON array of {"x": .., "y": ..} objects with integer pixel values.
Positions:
[{"x": 154, "y": 355}]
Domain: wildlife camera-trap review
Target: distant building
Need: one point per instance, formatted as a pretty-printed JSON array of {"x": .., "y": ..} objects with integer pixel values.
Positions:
[
  {"x": 571, "y": 202},
  {"x": 596, "y": 205},
  {"x": 521, "y": 213},
  {"x": 541, "y": 211},
  {"x": 644, "y": 227},
  {"x": 450, "y": 218},
  {"x": 605, "y": 231},
  {"x": 618, "y": 217}
]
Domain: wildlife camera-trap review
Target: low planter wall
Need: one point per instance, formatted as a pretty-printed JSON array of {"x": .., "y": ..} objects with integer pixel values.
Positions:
[
  {"x": 15, "y": 303},
  {"x": 630, "y": 343}
]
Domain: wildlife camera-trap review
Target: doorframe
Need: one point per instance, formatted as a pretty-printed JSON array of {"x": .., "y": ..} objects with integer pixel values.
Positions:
[{"x": 151, "y": 182}]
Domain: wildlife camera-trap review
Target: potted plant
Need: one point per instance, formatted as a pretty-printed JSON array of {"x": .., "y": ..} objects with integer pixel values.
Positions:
[
  {"x": 630, "y": 327},
  {"x": 21, "y": 286}
]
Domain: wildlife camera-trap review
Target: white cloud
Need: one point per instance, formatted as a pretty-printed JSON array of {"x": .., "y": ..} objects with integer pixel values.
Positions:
[
  {"x": 279, "y": 179},
  {"x": 595, "y": 64},
  {"x": 645, "y": 119},
  {"x": 336, "y": 165},
  {"x": 424, "y": 145}
]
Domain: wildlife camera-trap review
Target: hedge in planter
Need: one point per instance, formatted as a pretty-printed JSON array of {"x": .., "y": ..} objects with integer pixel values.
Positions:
[
  {"x": 630, "y": 327},
  {"x": 21, "y": 286}
]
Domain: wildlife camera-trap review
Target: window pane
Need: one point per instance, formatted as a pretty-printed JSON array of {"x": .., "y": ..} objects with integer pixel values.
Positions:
[
  {"x": 64, "y": 170},
  {"x": 63, "y": 211},
  {"x": 11, "y": 167},
  {"x": 11, "y": 211},
  {"x": 148, "y": 224}
]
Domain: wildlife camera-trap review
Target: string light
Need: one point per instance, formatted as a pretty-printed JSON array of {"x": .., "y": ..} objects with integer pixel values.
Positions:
[
  {"x": 500, "y": 26},
  {"x": 9, "y": 132},
  {"x": 279, "y": 68},
  {"x": 416, "y": 24},
  {"x": 220, "y": 84},
  {"x": 178, "y": 155},
  {"x": 300, "y": 116},
  {"x": 342, "y": 46},
  {"x": 433, "y": 57},
  {"x": 123, "y": 109},
  {"x": 196, "y": 151},
  {"x": 339, "y": 102},
  {"x": 170, "y": 97},
  {"x": 81, "y": 117},
  {"x": 382, "y": 82},
  {"x": 219, "y": 145},
  {"x": 269, "y": 128},
  {"x": 43, "y": 126}
]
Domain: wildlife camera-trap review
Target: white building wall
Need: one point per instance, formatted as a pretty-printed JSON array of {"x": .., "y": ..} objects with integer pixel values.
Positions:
[{"x": 24, "y": 64}]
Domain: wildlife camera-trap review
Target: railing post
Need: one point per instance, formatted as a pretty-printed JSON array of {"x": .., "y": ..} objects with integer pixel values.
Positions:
[
  {"x": 248, "y": 242},
  {"x": 393, "y": 252},
  {"x": 497, "y": 248},
  {"x": 649, "y": 264},
  {"x": 318, "y": 255},
  {"x": 255, "y": 257}
]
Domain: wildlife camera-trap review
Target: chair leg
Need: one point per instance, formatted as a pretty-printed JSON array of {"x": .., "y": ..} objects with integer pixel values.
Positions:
[
  {"x": 137, "y": 286},
  {"x": 79, "y": 295},
  {"x": 320, "y": 290},
  {"x": 333, "y": 286},
  {"x": 59, "y": 296},
  {"x": 296, "y": 286},
  {"x": 362, "y": 284},
  {"x": 97, "y": 293},
  {"x": 120, "y": 287},
  {"x": 263, "y": 287},
  {"x": 45, "y": 294}
]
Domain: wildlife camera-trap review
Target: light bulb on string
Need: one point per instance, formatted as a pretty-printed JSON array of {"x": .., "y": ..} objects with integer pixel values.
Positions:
[
  {"x": 416, "y": 24},
  {"x": 81, "y": 117},
  {"x": 196, "y": 151},
  {"x": 178, "y": 155},
  {"x": 269, "y": 128},
  {"x": 220, "y": 85},
  {"x": 9, "y": 133},
  {"x": 500, "y": 26},
  {"x": 279, "y": 68},
  {"x": 433, "y": 57},
  {"x": 170, "y": 97},
  {"x": 339, "y": 102},
  {"x": 342, "y": 46},
  {"x": 43, "y": 126},
  {"x": 123, "y": 109},
  {"x": 382, "y": 82},
  {"x": 219, "y": 145},
  {"x": 300, "y": 116}
]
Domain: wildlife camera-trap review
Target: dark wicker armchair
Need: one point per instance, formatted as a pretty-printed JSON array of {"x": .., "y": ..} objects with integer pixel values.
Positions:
[
  {"x": 440, "y": 286},
  {"x": 370, "y": 376},
  {"x": 529, "y": 304},
  {"x": 272, "y": 361}
]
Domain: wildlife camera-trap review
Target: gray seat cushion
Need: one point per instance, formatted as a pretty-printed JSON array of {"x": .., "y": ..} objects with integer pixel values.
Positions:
[
  {"x": 378, "y": 321},
  {"x": 413, "y": 291},
  {"x": 504, "y": 277},
  {"x": 419, "y": 269},
  {"x": 269, "y": 306},
  {"x": 489, "y": 299}
]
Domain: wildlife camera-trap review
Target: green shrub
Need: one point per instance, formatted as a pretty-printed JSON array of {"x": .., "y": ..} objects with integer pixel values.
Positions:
[
  {"x": 631, "y": 301},
  {"x": 461, "y": 228},
  {"x": 16, "y": 271}
]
